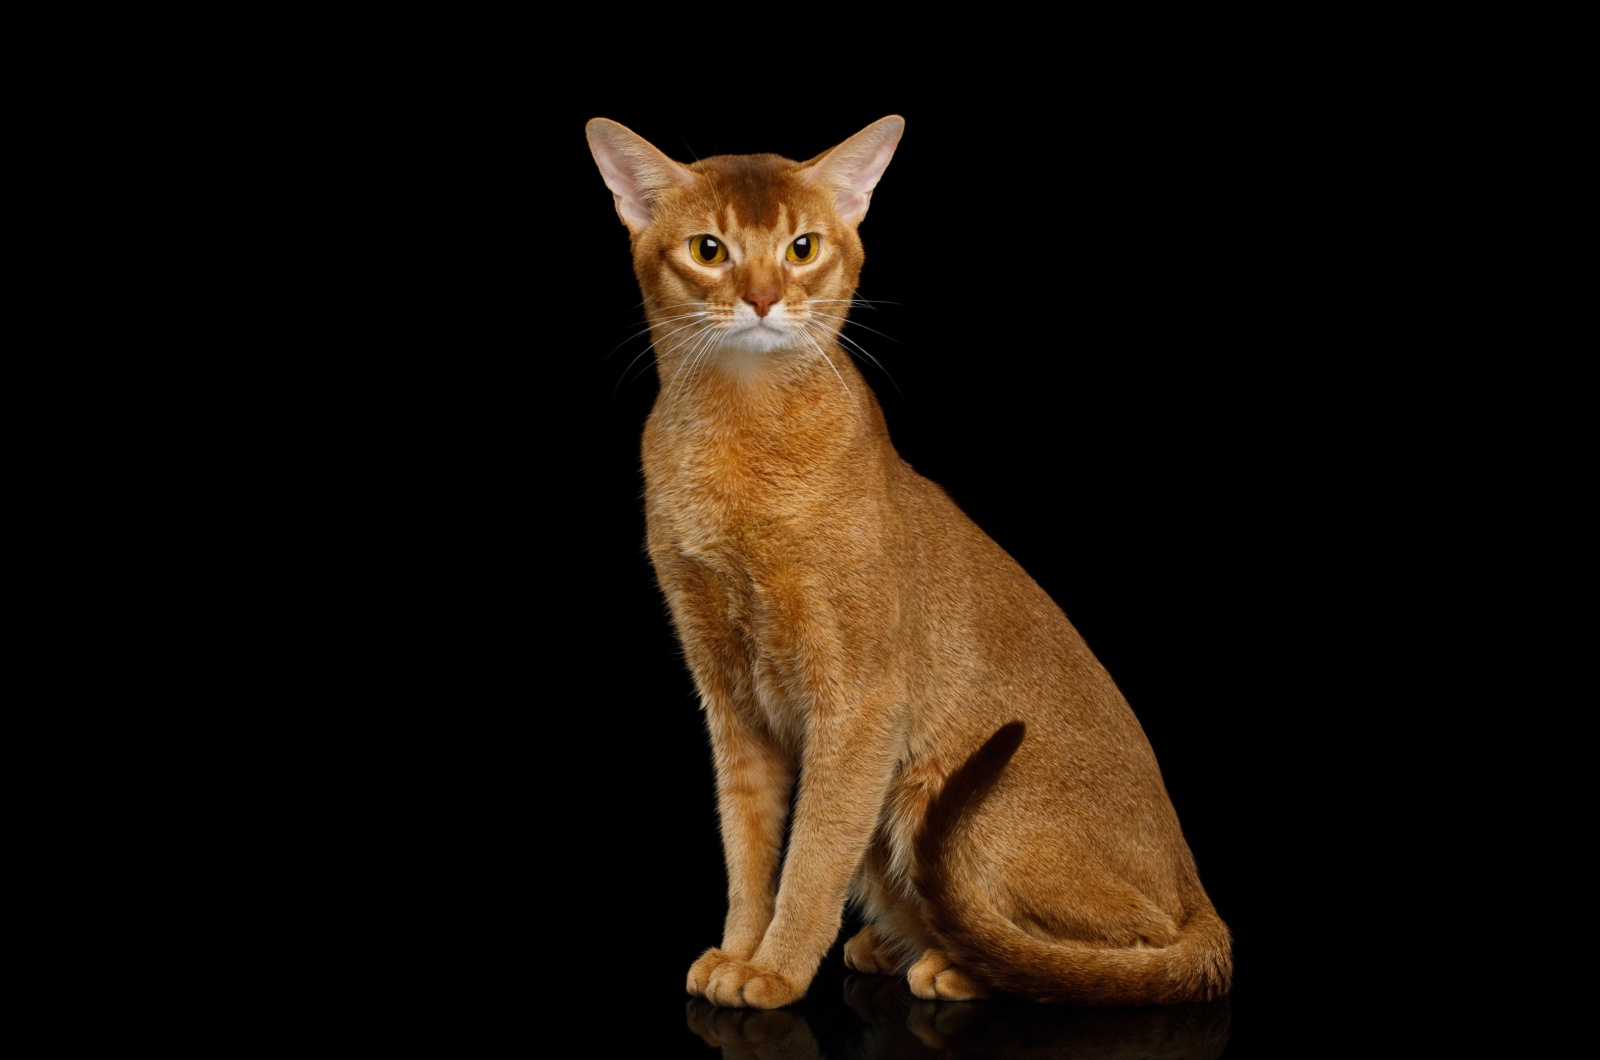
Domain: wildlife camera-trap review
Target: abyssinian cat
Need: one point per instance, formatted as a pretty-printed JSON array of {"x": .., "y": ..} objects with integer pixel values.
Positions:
[{"x": 954, "y": 758}]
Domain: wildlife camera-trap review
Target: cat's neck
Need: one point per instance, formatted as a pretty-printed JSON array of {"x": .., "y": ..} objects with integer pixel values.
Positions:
[
  {"x": 797, "y": 411},
  {"x": 776, "y": 386}
]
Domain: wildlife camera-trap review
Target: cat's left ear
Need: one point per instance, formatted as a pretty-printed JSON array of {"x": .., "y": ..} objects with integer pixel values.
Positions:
[{"x": 852, "y": 169}]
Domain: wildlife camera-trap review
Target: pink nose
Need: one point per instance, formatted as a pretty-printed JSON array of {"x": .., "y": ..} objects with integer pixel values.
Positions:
[{"x": 762, "y": 300}]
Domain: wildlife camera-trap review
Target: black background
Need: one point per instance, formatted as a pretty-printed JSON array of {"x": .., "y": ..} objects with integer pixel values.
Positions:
[{"x": 1111, "y": 322}]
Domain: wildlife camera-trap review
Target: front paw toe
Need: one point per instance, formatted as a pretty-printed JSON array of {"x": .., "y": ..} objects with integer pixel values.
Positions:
[
  {"x": 740, "y": 984},
  {"x": 703, "y": 969}
]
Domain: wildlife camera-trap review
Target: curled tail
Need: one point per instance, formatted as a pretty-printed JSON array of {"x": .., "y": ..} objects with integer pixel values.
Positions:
[{"x": 1198, "y": 966}]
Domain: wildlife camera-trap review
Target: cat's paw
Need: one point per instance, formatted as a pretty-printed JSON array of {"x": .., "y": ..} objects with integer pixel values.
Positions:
[
  {"x": 934, "y": 978},
  {"x": 732, "y": 983},
  {"x": 701, "y": 971},
  {"x": 867, "y": 953}
]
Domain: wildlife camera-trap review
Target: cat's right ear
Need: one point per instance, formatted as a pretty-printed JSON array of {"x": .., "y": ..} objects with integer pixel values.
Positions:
[{"x": 633, "y": 169}]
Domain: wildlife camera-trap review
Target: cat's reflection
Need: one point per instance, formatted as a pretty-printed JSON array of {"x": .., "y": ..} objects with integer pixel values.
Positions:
[
  {"x": 899, "y": 1027},
  {"x": 754, "y": 1034}
]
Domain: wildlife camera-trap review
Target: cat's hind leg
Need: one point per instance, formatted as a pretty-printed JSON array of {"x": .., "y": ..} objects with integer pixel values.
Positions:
[
  {"x": 867, "y": 952},
  {"x": 895, "y": 939},
  {"x": 882, "y": 947}
]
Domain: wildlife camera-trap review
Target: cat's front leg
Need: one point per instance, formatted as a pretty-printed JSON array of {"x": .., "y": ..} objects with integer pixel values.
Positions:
[
  {"x": 844, "y": 775},
  {"x": 754, "y": 782}
]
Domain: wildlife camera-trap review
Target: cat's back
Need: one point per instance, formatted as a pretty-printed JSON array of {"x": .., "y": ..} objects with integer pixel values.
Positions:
[{"x": 976, "y": 601}]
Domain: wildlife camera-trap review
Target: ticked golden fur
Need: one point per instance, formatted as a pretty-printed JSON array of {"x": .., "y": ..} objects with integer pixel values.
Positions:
[{"x": 957, "y": 760}]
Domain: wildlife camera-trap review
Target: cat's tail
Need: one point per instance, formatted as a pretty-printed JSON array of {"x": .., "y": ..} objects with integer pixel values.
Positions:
[{"x": 981, "y": 941}]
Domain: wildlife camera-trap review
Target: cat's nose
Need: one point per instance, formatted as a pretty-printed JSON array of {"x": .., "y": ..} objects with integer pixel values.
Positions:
[{"x": 762, "y": 300}]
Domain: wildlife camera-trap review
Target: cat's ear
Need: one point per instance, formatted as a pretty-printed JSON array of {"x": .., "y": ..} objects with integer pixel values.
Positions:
[
  {"x": 633, "y": 169},
  {"x": 852, "y": 169}
]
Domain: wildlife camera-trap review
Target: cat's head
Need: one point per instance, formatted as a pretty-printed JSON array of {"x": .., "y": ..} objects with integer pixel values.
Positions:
[{"x": 744, "y": 255}]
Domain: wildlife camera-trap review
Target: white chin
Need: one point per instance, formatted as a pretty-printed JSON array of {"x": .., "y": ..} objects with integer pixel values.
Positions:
[
  {"x": 749, "y": 353},
  {"x": 758, "y": 340}
]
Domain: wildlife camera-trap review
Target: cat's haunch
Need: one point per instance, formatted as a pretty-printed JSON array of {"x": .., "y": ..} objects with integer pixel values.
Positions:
[{"x": 959, "y": 763}]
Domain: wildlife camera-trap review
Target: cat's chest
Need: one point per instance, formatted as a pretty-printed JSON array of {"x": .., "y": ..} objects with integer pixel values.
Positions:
[
  {"x": 713, "y": 504},
  {"x": 734, "y": 515},
  {"x": 746, "y": 479}
]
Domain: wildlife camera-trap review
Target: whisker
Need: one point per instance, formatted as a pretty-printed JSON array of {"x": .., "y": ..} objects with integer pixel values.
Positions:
[
  {"x": 692, "y": 324},
  {"x": 850, "y": 343},
  {"x": 805, "y": 332},
  {"x": 680, "y": 305},
  {"x": 636, "y": 375},
  {"x": 694, "y": 319},
  {"x": 645, "y": 331},
  {"x": 848, "y": 303},
  {"x": 862, "y": 326},
  {"x": 702, "y": 343},
  {"x": 854, "y": 345}
]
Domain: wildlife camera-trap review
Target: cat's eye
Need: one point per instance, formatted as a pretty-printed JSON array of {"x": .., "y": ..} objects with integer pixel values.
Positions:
[
  {"x": 804, "y": 249},
  {"x": 709, "y": 250}
]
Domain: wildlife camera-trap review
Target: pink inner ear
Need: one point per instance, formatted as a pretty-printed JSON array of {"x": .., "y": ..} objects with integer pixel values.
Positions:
[
  {"x": 623, "y": 179},
  {"x": 634, "y": 170},
  {"x": 853, "y": 207},
  {"x": 632, "y": 205},
  {"x": 855, "y": 166}
]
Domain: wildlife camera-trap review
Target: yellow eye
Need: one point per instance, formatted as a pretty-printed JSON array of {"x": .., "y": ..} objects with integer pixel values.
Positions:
[
  {"x": 708, "y": 250},
  {"x": 804, "y": 249}
]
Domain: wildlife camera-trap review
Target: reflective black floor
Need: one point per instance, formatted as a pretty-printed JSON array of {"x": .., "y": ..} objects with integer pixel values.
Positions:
[
  {"x": 876, "y": 1018},
  {"x": 846, "y": 1016}
]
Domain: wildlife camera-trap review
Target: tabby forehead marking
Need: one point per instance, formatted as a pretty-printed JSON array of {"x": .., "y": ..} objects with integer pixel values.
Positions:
[{"x": 755, "y": 186}]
